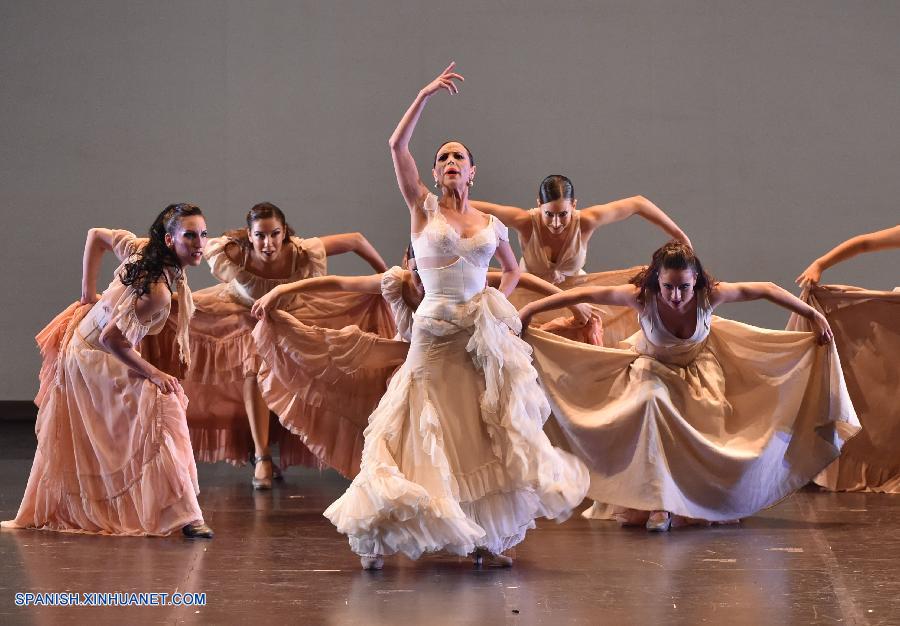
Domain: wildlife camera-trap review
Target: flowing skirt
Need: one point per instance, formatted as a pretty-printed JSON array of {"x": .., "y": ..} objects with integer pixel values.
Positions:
[
  {"x": 454, "y": 455},
  {"x": 113, "y": 455},
  {"x": 751, "y": 416},
  {"x": 226, "y": 351},
  {"x": 866, "y": 327}
]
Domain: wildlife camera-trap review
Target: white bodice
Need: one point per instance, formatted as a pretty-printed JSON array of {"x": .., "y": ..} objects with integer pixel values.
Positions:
[
  {"x": 659, "y": 343},
  {"x": 453, "y": 268}
]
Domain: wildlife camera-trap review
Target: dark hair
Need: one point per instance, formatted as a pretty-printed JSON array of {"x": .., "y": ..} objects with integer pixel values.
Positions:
[
  {"x": 554, "y": 187},
  {"x": 152, "y": 260},
  {"x": 260, "y": 211},
  {"x": 675, "y": 255},
  {"x": 469, "y": 152}
]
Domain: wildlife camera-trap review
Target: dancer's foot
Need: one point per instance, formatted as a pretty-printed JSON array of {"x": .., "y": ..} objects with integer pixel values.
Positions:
[
  {"x": 659, "y": 521},
  {"x": 371, "y": 562},
  {"x": 486, "y": 557},
  {"x": 262, "y": 472},
  {"x": 197, "y": 530}
]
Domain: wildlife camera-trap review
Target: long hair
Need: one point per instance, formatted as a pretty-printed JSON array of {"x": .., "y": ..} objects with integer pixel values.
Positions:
[
  {"x": 152, "y": 260},
  {"x": 675, "y": 255},
  {"x": 260, "y": 211}
]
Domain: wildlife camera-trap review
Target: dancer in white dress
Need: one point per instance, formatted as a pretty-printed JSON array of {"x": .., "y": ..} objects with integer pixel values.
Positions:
[
  {"x": 866, "y": 325},
  {"x": 695, "y": 417},
  {"x": 454, "y": 456}
]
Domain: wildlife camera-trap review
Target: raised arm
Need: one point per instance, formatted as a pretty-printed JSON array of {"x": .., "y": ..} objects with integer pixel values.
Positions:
[
  {"x": 411, "y": 186},
  {"x": 356, "y": 284},
  {"x": 602, "y": 214},
  {"x": 869, "y": 242},
  {"x": 514, "y": 217},
  {"x": 354, "y": 242},
  {"x": 113, "y": 340},
  {"x": 723, "y": 293},
  {"x": 619, "y": 295}
]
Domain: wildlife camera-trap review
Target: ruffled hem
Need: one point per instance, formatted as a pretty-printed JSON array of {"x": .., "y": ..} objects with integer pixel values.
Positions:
[
  {"x": 384, "y": 511},
  {"x": 851, "y": 474}
]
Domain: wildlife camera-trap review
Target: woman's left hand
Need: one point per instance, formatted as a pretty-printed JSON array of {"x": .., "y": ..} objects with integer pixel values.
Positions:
[
  {"x": 264, "y": 305},
  {"x": 823, "y": 329}
]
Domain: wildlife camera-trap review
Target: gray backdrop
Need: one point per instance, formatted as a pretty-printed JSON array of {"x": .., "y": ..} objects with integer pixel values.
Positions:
[{"x": 768, "y": 130}]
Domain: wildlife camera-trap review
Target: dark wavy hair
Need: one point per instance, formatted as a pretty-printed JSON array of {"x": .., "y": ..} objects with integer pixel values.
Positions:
[
  {"x": 152, "y": 260},
  {"x": 260, "y": 211},
  {"x": 469, "y": 152},
  {"x": 555, "y": 187},
  {"x": 675, "y": 255}
]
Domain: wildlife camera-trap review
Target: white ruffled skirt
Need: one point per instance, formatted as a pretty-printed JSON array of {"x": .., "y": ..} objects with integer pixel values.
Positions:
[{"x": 455, "y": 456}]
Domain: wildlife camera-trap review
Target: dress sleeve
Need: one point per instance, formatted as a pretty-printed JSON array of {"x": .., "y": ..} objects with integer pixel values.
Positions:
[
  {"x": 125, "y": 243},
  {"x": 315, "y": 259},
  {"x": 392, "y": 292},
  {"x": 216, "y": 255},
  {"x": 501, "y": 229},
  {"x": 126, "y": 319}
]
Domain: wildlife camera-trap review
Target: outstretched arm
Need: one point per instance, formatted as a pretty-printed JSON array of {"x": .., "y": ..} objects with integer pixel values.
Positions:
[
  {"x": 354, "y": 242},
  {"x": 356, "y": 284},
  {"x": 742, "y": 292},
  {"x": 603, "y": 214},
  {"x": 514, "y": 217},
  {"x": 581, "y": 312},
  {"x": 408, "y": 179},
  {"x": 870, "y": 242},
  {"x": 620, "y": 295},
  {"x": 99, "y": 241},
  {"x": 113, "y": 340}
]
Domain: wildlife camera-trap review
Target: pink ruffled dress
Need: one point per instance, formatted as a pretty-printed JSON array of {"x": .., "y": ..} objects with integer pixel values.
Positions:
[
  {"x": 455, "y": 457},
  {"x": 226, "y": 351},
  {"x": 113, "y": 455}
]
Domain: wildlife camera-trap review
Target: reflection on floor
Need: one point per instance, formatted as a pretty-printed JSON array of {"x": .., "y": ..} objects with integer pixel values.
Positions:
[{"x": 815, "y": 558}]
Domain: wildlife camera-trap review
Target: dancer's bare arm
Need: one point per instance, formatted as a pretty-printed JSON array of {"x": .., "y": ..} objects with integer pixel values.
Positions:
[
  {"x": 599, "y": 215},
  {"x": 356, "y": 284},
  {"x": 99, "y": 241},
  {"x": 511, "y": 272},
  {"x": 619, "y": 295},
  {"x": 581, "y": 312},
  {"x": 113, "y": 340},
  {"x": 869, "y": 242},
  {"x": 411, "y": 186},
  {"x": 723, "y": 293},
  {"x": 354, "y": 242},
  {"x": 514, "y": 217}
]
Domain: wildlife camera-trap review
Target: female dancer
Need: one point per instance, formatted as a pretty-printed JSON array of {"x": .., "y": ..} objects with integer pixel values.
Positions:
[
  {"x": 454, "y": 456},
  {"x": 228, "y": 391},
  {"x": 114, "y": 455},
  {"x": 867, "y": 335},
  {"x": 554, "y": 239},
  {"x": 698, "y": 417}
]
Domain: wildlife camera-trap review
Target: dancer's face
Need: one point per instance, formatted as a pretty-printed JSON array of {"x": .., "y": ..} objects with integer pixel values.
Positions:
[
  {"x": 188, "y": 240},
  {"x": 267, "y": 236},
  {"x": 452, "y": 168},
  {"x": 557, "y": 214},
  {"x": 676, "y": 287}
]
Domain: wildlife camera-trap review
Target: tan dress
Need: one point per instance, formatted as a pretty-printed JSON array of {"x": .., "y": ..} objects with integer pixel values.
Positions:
[
  {"x": 113, "y": 455},
  {"x": 714, "y": 427},
  {"x": 866, "y": 325},
  {"x": 567, "y": 272},
  {"x": 224, "y": 353}
]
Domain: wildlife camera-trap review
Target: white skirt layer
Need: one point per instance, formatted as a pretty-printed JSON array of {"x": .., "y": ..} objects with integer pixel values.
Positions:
[{"x": 455, "y": 457}]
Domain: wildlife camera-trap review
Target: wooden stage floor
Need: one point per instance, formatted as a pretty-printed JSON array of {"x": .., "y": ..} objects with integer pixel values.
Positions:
[{"x": 817, "y": 558}]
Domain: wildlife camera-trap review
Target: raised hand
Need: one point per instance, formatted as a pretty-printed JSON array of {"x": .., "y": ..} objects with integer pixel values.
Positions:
[{"x": 444, "y": 81}]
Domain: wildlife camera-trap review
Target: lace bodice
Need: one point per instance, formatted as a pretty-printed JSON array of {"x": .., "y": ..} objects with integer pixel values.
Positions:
[{"x": 453, "y": 268}]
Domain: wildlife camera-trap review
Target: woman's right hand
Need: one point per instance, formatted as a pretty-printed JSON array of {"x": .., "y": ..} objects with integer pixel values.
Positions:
[
  {"x": 265, "y": 304},
  {"x": 823, "y": 330},
  {"x": 443, "y": 81},
  {"x": 810, "y": 275},
  {"x": 88, "y": 298},
  {"x": 166, "y": 383}
]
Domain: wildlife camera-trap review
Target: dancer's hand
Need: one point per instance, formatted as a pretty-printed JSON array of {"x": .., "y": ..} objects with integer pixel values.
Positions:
[
  {"x": 88, "y": 298},
  {"x": 581, "y": 314},
  {"x": 443, "y": 81},
  {"x": 166, "y": 383},
  {"x": 810, "y": 275},
  {"x": 525, "y": 316},
  {"x": 265, "y": 304},
  {"x": 823, "y": 330}
]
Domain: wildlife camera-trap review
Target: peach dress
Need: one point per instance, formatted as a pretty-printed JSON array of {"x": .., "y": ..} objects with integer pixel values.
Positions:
[
  {"x": 866, "y": 325},
  {"x": 225, "y": 352},
  {"x": 567, "y": 272},
  {"x": 455, "y": 457},
  {"x": 113, "y": 454},
  {"x": 715, "y": 427}
]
